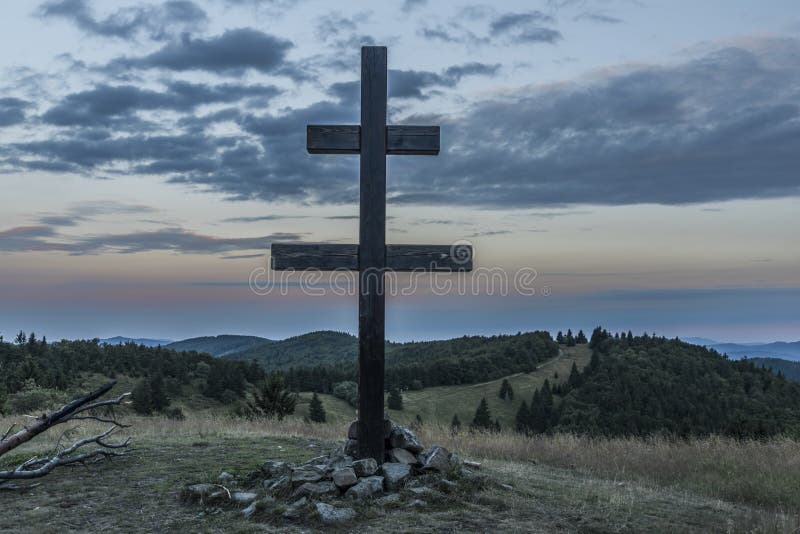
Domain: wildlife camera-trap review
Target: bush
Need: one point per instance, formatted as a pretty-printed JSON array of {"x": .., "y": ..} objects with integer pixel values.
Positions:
[
  {"x": 347, "y": 391},
  {"x": 174, "y": 413},
  {"x": 35, "y": 400}
]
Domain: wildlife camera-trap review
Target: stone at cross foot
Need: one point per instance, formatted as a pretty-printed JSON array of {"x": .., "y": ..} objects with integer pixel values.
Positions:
[{"x": 372, "y": 140}]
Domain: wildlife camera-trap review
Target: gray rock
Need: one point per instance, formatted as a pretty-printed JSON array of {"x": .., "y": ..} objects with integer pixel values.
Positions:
[
  {"x": 226, "y": 478},
  {"x": 366, "y": 488},
  {"x": 422, "y": 490},
  {"x": 344, "y": 478},
  {"x": 366, "y": 467},
  {"x": 395, "y": 475},
  {"x": 507, "y": 487},
  {"x": 244, "y": 497},
  {"x": 301, "y": 475},
  {"x": 388, "y": 426},
  {"x": 330, "y": 515},
  {"x": 417, "y": 503},
  {"x": 339, "y": 461},
  {"x": 403, "y": 438},
  {"x": 402, "y": 456},
  {"x": 471, "y": 464},
  {"x": 276, "y": 469},
  {"x": 250, "y": 510},
  {"x": 281, "y": 486},
  {"x": 316, "y": 461},
  {"x": 351, "y": 447},
  {"x": 437, "y": 459},
  {"x": 315, "y": 489},
  {"x": 295, "y": 510}
]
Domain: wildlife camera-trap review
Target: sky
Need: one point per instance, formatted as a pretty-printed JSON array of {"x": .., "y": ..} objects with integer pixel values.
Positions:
[{"x": 631, "y": 164}]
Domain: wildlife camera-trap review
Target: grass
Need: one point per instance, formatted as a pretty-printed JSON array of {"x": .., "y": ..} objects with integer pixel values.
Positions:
[
  {"x": 437, "y": 405},
  {"x": 560, "y": 483}
]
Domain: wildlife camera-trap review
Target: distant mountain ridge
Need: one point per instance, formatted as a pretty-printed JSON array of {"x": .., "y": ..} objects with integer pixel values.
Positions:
[
  {"x": 220, "y": 346},
  {"x": 784, "y": 350},
  {"x": 120, "y": 340}
]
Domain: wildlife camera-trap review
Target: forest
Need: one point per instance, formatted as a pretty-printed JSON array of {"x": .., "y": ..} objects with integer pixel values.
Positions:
[{"x": 644, "y": 385}]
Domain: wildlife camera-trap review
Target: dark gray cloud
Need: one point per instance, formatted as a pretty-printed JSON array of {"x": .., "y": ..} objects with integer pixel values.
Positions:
[
  {"x": 158, "y": 21},
  {"x": 233, "y": 52},
  {"x": 526, "y": 27},
  {"x": 174, "y": 239},
  {"x": 719, "y": 127},
  {"x": 413, "y": 83},
  {"x": 12, "y": 111},
  {"x": 505, "y": 29},
  {"x": 103, "y": 103}
]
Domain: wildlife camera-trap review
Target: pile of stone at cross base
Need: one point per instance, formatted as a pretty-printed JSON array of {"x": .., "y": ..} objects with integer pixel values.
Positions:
[{"x": 328, "y": 485}]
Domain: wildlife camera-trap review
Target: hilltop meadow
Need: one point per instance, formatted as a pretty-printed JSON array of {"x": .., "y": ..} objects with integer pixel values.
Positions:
[{"x": 618, "y": 433}]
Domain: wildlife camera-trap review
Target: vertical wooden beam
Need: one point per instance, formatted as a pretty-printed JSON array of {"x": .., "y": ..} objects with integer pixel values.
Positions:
[{"x": 372, "y": 252}]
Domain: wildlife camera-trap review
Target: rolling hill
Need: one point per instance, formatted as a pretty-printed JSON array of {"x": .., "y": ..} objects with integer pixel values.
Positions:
[
  {"x": 791, "y": 370},
  {"x": 219, "y": 346},
  {"x": 785, "y": 350}
]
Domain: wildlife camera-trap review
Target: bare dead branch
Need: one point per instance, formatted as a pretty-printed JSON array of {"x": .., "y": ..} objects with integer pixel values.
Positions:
[
  {"x": 62, "y": 415},
  {"x": 86, "y": 406}
]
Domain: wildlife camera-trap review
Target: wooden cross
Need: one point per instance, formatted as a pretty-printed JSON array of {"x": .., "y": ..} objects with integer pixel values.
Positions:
[{"x": 372, "y": 140}]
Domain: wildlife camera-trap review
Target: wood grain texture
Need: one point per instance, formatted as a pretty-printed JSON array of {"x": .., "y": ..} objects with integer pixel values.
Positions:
[
  {"x": 332, "y": 139},
  {"x": 412, "y": 140},
  {"x": 313, "y": 256},
  {"x": 434, "y": 258}
]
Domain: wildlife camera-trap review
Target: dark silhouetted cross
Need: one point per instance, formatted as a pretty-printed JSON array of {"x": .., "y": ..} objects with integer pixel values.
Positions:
[{"x": 372, "y": 140}]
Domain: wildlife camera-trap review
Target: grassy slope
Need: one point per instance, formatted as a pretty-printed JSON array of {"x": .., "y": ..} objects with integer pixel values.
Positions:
[
  {"x": 438, "y": 404},
  {"x": 141, "y": 493}
]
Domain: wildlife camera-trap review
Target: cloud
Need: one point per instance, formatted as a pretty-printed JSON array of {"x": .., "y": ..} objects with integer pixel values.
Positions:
[
  {"x": 412, "y": 83},
  {"x": 722, "y": 126},
  {"x": 12, "y": 111},
  {"x": 596, "y": 16},
  {"x": 503, "y": 29},
  {"x": 105, "y": 102},
  {"x": 86, "y": 211},
  {"x": 233, "y": 52},
  {"x": 718, "y": 127},
  {"x": 411, "y": 5},
  {"x": 172, "y": 239},
  {"x": 159, "y": 21},
  {"x": 526, "y": 27}
]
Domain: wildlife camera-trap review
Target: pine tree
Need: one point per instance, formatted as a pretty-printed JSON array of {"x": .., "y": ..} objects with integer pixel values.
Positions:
[
  {"x": 523, "y": 418},
  {"x": 395, "y": 401},
  {"x": 455, "y": 424},
  {"x": 560, "y": 338},
  {"x": 21, "y": 338},
  {"x": 570, "y": 339},
  {"x": 142, "y": 400},
  {"x": 574, "y": 379},
  {"x": 506, "y": 391},
  {"x": 273, "y": 398},
  {"x": 158, "y": 394},
  {"x": 581, "y": 339},
  {"x": 483, "y": 417},
  {"x": 594, "y": 362},
  {"x": 316, "y": 412}
]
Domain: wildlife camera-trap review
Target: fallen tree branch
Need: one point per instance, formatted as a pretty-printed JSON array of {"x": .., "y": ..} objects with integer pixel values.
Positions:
[{"x": 37, "y": 467}]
